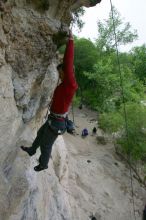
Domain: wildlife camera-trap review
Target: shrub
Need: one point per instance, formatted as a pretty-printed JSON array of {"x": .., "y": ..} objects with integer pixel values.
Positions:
[{"x": 132, "y": 129}]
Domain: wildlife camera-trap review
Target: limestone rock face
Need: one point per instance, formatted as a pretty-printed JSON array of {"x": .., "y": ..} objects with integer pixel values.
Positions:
[
  {"x": 83, "y": 178},
  {"x": 29, "y": 39},
  {"x": 28, "y": 44}
]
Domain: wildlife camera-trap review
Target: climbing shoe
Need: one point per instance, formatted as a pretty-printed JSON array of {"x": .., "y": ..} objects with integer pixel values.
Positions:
[
  {"x": 28, "y": 150},
  {"x": 39, "y": 168}
]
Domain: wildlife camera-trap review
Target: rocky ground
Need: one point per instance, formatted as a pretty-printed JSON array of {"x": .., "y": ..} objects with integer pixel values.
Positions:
[
  {"x": 99, "y": 182},
  {"x": 83, "y": 178}
]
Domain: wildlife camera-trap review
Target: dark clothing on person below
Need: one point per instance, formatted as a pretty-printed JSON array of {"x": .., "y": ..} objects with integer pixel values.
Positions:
[
  {"x": 84, "y": 132},
  {"x": 94, "y": 130},
  {"x": 46, "y": 137}
]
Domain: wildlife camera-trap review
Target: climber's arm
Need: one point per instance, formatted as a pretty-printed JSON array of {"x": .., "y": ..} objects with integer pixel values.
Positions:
[{"x": 68, "y": 62}]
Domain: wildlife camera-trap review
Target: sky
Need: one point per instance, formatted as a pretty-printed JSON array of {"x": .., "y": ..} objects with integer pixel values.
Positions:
[{"x": 132, "y": 11}]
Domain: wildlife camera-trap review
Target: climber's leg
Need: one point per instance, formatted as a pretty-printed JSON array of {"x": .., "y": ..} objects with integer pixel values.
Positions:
[
  {"x": 39, "y": 137},
  {"x": 32, "y": 150},
  {"x": 48, "y": 140}
]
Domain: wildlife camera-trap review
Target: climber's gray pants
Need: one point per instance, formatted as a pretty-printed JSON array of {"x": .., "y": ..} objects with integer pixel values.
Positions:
[{"x": 46, "y": 137}]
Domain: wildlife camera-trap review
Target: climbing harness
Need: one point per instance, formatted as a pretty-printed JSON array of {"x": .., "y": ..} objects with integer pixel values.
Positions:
[{"x": 125, "y": 114}]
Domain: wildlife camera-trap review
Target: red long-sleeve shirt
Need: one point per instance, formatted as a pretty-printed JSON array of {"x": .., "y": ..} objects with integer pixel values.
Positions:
[{"x": 64, "y": 93}]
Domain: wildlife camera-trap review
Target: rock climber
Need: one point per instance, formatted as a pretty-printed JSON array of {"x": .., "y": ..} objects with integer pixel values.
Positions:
[
  {"x": 61, "y": 101},
  {"x": 94, "y": 130}
]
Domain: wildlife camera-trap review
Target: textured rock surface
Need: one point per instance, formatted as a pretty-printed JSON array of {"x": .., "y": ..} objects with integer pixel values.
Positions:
[{"x": 29, "y": 39}]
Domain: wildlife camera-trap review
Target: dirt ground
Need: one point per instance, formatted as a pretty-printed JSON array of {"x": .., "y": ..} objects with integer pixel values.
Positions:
[{"x": 99, "y": 181}]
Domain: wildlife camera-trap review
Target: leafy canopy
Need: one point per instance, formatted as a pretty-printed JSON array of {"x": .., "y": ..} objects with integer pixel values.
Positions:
[
  {"x": 139, "y": 62},
  {"x": 132, "y": 131},
  {"x": 124, "y": 34}
]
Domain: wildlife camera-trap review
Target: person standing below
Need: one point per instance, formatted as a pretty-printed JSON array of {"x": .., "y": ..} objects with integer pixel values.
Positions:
[
  {"x": 61, "y": 101},
  {"x": 94, "y": 131}
]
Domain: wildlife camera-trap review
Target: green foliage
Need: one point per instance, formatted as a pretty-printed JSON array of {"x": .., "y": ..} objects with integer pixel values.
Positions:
[
  {"x": 139, "y": 62},
  {"x": 104, "y": 91},
  {"x": 85, "y": 58},
  {"x": 106, "y": 37},
  {"x": 77, "y": 21},
  {"x": 76, "y": 101},
  {"x": 111, "y": 122},
  {"x": 85, "y": 55},
  {"x": 105, "y": 88},
  {"x": 132, "y": 128},
  {"x": 97, "y": 70}
]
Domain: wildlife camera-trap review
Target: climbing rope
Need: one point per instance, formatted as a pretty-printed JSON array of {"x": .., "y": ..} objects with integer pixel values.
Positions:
[
  {"x": 73, "y": 116},
  {"x": 125, "y": 114},
  {"x": 72, "y": 105}
]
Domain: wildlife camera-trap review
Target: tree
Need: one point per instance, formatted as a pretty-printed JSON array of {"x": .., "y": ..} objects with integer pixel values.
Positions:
[
  {"x": 132, "y": 130},
  {"x": 139, "y": 62},
  {"x": 85, "y": 58},
  {"x": 77, "y": 21},
  {"x": 106, "y": 39},
  {"x": 85, "y": 55},
  {"x": 105, "y": 92}
]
